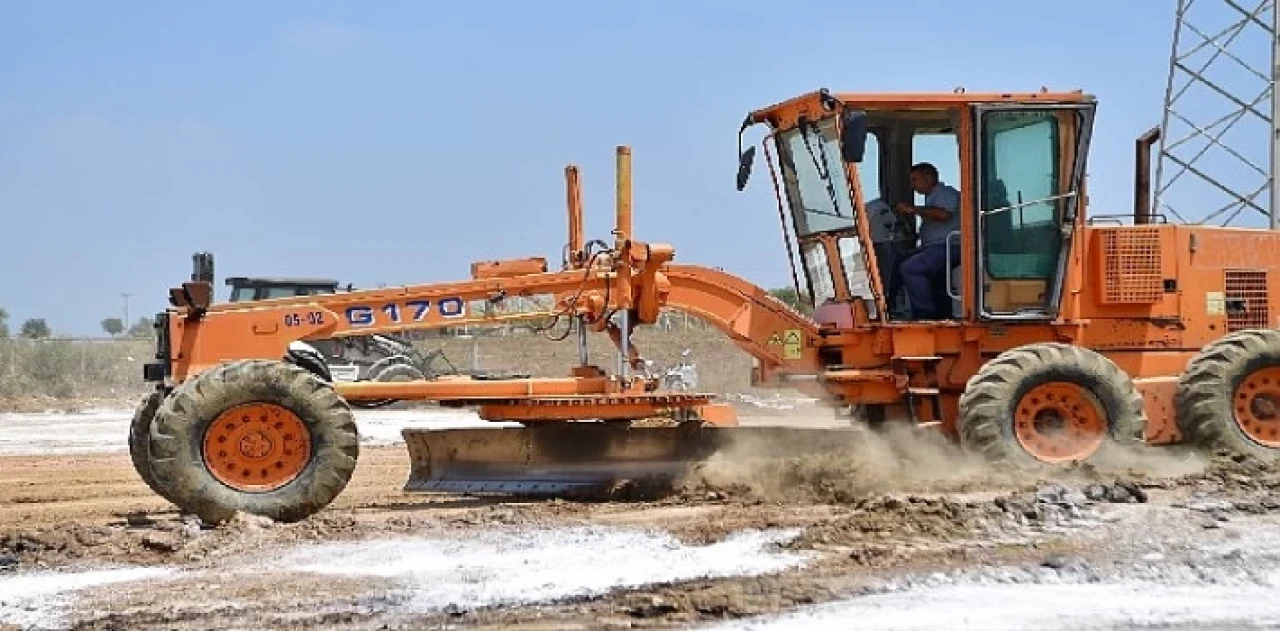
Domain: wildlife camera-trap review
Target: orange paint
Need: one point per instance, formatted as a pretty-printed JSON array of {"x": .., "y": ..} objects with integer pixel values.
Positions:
[
  {"x": 256, "y": 447},
  {"x": 1059, "y": 422},
  {"x": 1147, "y": 297},
  {"x": 1257, "y": 406}
]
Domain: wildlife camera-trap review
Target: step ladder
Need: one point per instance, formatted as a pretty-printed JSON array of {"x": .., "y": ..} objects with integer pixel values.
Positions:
[{"x": 926, "y": 366}]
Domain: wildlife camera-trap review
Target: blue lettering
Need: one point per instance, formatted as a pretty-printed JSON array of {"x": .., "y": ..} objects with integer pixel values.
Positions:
[
  {"x": 419, "y": 309},
  {"x": 360, "y": 316},
  {"x": 451, "y": 307},
  {"x": 393, "y": 311},
  {"x": 364, "y": 316}
]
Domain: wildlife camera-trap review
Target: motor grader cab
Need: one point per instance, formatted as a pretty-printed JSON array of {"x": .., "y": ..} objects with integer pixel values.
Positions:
[
  {"x": 1072, "y": 336},
  {"x": 1073, "y": 339},
  {"x": 1019, "y": 164}
]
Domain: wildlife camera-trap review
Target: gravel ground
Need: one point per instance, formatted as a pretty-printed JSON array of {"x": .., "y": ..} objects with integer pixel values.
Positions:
[{"x": 923, "y": 543}]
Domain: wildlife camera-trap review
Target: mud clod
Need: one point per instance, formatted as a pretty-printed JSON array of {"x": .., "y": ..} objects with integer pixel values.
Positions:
[
  {"x": 246, "y": 522},
  {"x": 899, "y": 511},
  {"x": 651, "y": 607},
  {"x": 139, "y": 520},
  {"x": 1056, "y": 562},
  {"x": 163, "y": 542}
]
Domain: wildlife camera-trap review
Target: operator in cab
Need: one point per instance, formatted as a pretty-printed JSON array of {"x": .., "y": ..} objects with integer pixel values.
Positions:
[{"x": 940, "y": 215}]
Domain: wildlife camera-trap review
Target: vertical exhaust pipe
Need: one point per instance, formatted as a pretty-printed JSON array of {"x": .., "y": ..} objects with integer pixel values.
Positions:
[
  {"x": 1142, "y": 176},
  {"x": 623, "y": 228},
  {"x": 573, "y": 200},
  {"x": 577, "y": 255}
]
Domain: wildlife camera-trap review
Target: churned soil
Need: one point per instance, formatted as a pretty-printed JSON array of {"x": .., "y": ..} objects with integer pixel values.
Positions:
[{"x": 854, "y": 523}]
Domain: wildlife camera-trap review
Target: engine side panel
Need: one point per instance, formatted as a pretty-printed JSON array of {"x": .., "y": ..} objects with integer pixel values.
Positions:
[{"x": 1195, "y": 283}]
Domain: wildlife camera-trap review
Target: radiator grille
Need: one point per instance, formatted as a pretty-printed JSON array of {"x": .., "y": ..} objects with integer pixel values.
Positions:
[
  {"x": 1132, "y": 266},
  {"x": 1246, "y": 297}
]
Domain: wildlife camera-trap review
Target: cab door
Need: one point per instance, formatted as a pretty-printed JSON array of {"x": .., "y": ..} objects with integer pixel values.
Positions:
[{"x": 1029, "y": 170}]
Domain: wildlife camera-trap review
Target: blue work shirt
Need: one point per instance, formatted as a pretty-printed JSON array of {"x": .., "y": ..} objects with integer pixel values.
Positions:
[{"x": 935, "y": 232}]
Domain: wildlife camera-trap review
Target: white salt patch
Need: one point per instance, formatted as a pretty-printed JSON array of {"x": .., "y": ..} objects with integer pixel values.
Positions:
[
  {"x": 1016, "y": 607},
  {"x": 64, "y": 433},
  {"x": 106, "y": 431},
  {"x": 523, "y": 567},
  {"x": 37, "y": 600}
]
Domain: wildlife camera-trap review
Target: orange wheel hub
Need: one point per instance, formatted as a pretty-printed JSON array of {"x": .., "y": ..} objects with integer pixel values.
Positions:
[
  {"x": 257, "y": 447},
  {"x": 1257, "y": 406},
  {"x": 1059, "y": 422}
]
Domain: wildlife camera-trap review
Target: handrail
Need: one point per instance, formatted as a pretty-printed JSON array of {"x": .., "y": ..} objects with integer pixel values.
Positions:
[{"x": 1003, "y": 209}]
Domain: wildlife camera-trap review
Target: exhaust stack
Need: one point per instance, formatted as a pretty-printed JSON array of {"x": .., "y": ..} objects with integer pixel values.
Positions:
[{"x": 1142, "y": 176}]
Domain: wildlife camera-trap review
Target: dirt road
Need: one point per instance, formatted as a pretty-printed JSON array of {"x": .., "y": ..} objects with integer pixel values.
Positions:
[{"x": 935, "y": 543}]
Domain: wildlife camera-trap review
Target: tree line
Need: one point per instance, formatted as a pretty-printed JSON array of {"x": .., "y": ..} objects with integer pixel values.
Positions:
[
  {"x": 795, "y": 300},
  {"x": 39, "y": 329}
]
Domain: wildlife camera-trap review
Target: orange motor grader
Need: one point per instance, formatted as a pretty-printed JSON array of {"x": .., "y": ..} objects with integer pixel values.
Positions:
[{"x": 1069, "y": 336}]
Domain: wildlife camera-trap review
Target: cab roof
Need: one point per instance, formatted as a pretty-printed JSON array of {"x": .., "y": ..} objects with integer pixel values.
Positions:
[{"x": 811, "y": 104}]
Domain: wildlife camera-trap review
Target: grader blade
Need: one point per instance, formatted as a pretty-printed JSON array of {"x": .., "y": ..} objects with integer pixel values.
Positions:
[{"x": 590, "y": 458}]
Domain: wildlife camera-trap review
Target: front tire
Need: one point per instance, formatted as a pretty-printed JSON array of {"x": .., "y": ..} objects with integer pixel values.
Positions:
[
  {"x": 1048, "y": 404},
  {"x": 262, "y": 437}
]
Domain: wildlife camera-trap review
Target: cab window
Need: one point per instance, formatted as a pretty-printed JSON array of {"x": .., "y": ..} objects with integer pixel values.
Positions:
[
  {"x": 280, "y": 292},
  {"x": 1020, "y": 176}
]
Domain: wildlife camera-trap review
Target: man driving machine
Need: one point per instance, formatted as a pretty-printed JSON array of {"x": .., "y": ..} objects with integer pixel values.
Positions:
[{"x": 940, "y": 215}]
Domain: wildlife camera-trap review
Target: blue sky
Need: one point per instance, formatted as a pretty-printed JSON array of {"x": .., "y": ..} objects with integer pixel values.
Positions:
[{"x": 396, "y": 142}]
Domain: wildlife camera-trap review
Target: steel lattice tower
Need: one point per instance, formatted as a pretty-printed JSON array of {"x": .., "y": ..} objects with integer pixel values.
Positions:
[{"x": 1218, "y": 142}]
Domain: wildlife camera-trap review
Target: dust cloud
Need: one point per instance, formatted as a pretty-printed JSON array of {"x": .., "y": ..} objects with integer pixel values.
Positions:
[
  {"x": 841, "y": 465},
  {"x": 836, "y": 465}
]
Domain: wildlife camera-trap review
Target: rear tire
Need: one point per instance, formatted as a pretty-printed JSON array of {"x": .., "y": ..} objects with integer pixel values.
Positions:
[
  {"x": 262, "y": 437},
  {"x": 389, "y": 370},
  {"x": 398, "y": 373},
  {"x": 1229, "y": 395},
  {"x": 1045, "y": 404}
]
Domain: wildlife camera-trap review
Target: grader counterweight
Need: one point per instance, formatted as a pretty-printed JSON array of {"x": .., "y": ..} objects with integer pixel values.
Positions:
[{"x": 1067, "y": 339}]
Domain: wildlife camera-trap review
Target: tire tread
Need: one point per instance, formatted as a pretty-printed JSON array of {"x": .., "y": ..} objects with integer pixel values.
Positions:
[
  {"x": 181, "y": 421},
  {"x": 986, "y": 403}
]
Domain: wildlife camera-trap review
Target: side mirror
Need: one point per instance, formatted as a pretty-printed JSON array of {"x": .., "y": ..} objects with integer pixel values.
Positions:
[
  {"x": 745, "y": 160},
  {"x": 853, "y": 137}
]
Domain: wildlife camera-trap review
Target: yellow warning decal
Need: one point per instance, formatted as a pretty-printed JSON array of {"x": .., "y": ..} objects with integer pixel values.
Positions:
[
  {"x": 791, "y": 344},
  {"x": 775, "y": 340}
]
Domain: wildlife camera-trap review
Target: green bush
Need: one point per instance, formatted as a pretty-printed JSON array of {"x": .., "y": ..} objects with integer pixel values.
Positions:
[{"x": 71, "y": 369}]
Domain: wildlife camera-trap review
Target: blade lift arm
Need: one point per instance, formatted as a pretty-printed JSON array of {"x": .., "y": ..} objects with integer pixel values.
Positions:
[{"x": 633, "y": 280}]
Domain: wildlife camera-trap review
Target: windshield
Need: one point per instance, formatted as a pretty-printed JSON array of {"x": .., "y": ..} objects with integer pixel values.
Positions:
[
  {"x": 814, "y": 175},
  {"x": 817, "y": 191}
]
